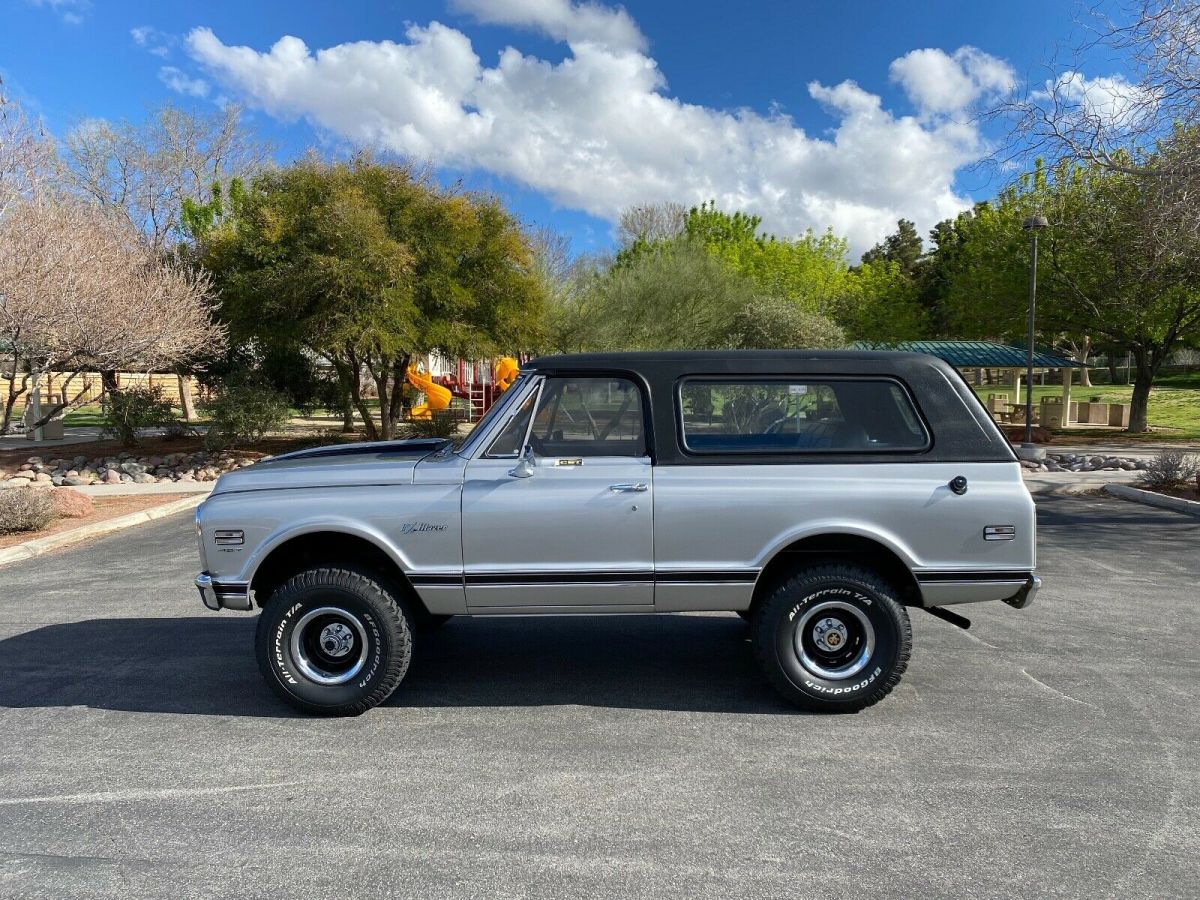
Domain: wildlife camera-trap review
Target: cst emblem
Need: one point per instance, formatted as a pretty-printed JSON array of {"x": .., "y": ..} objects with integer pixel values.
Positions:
[{"x": 420, "y": 527}]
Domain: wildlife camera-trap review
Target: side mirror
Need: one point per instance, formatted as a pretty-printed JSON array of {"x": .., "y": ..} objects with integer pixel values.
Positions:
[{"x": 526, "y": 466}]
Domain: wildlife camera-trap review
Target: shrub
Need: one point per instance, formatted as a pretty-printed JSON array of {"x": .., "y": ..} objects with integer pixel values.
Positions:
[
  {"x": 441, "y": 423},
  {"x": 772, "y": 323},
  {"x": 69, "y": 504},
  {"x": 136, "y": 408},
  {"x": 1170, "y": 469},
  {"x": 242, "y": 413},
  {"x": 26, "y": 509}
]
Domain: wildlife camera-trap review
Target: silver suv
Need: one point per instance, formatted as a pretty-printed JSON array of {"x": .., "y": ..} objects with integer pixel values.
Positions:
[{"x": 819, "y": 495}]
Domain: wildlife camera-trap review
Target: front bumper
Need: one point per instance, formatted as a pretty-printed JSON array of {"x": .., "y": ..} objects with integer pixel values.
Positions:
[{"x": 223, "y": 594}]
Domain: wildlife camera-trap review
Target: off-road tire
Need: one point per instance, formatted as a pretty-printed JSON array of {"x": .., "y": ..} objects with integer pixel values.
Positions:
[
  {"x": 380, "y": 628},
  {"x": 803, "y": 599}
]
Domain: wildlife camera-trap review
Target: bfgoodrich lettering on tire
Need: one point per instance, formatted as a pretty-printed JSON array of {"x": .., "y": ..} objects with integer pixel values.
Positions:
[
  {"x": 832, "y": 638},
  {"x": 334, "y": 641}
]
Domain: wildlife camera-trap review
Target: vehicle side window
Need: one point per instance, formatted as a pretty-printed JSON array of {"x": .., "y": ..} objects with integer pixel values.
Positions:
[
  {"x": 508, "y": 441},
  {"x": 798, "y": 416},
  {"x": 580, "y": 416}
]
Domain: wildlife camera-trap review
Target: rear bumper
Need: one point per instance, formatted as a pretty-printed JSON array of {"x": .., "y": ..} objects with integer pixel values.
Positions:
[
  {"x": 949, "y": 588},
  {"x": 223, "y": 594},
  {"x": 1024, "y": 597}
]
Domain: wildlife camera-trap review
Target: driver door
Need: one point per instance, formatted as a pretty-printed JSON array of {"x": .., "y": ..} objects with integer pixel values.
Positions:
[{"x": 574, "y": 530}]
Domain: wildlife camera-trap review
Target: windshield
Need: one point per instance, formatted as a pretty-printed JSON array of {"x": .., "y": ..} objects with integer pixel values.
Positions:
[{"x": 497, "y": 409}]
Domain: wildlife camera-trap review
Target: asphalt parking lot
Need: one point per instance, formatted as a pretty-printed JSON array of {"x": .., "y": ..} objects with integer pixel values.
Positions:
[{"x": 1053, "y": 752}]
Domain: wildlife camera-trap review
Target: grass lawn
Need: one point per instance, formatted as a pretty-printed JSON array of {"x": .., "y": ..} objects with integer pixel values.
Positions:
[
  {"x": 85, "y": 416},
  {"x": 1174, "y": 412}
]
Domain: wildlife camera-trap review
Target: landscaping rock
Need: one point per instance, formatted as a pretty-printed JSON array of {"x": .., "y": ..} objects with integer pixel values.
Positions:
[
  {"x": 1073, "y": 462},
  {"x": 125, "y": 468},
  {"x": 71, "y": 504}
]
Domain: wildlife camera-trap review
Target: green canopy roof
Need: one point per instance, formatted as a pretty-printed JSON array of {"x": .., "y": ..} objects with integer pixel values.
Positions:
[{"x": 976, "y": 354}]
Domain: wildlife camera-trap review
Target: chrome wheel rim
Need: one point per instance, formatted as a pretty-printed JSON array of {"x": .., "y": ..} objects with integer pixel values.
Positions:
[
  {"x": 834, "y": 640},
  {"x": 329, "y": 645}
]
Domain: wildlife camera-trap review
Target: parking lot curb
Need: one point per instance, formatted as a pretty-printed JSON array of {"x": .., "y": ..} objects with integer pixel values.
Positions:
[
  {"x": 38, "y": 546},
  {"x": 1150, "y": 498}
]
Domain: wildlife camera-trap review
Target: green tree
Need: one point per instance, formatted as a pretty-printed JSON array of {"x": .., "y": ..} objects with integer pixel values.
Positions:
[
  {"x": 881, "y": 302},
  {"x": 810, "y": 270},
  {"x": 1112, "y": 265},
  {"x": 367, "y": 265},
  {"x": 676, "y": 296},
  {"x": 903, "y": 247}
]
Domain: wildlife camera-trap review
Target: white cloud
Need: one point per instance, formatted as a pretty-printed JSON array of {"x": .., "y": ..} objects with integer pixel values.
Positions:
[
  {"x": 598, "y": 132},
  {"x": 939, "y": 83},
  {"x": 561, "y": 20},
  {"x": 182, "y": 83},
  {"x": 152, "y": 40},
  {"x": 70, "y": 11},
  {"x": 1109, "y": 99}
]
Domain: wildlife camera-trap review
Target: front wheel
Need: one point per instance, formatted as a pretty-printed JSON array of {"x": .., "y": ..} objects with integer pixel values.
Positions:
[
  {"x": 334, "y": 641},
  {"x": 832, "y": 638}
]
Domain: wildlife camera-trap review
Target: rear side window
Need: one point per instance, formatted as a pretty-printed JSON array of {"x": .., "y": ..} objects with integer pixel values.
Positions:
[{"x": 799, "y": 416}]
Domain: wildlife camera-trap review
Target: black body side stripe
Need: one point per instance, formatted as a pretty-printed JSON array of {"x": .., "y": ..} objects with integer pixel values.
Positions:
[
  {"x": 725, "y": 576},
  {"x": 736, "y": 576},
  {"x": 502, "y": 578},
  {"x": 431, "y": 580}
]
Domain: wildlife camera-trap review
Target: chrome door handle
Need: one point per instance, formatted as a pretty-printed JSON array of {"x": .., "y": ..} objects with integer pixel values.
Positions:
[{"x": 638, "y": 487}]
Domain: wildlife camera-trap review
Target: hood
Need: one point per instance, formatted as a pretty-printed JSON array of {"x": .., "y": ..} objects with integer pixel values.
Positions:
[{"x": 377, "y": 463}]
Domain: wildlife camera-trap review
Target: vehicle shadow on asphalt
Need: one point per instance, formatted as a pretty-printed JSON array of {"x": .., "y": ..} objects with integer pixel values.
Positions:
[{"x": 205, "y": 666}]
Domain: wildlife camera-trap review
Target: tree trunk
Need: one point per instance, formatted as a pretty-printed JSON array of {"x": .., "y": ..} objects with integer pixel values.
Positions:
[
  {"x": 185, "y": 398},
  {"x": 399, "y": 371},
  {"x": 1112, "y": 370},
  {"x": 65, "y": 401},
  {"x": 1085, "y": 375},
  {"x": 14, "y": 392},
  {"x": 356, "y": 397},
  {"x": 380, "y": 375},
  {"x": 347, "y": 407},
  {"x": 1147, "y": 367}
]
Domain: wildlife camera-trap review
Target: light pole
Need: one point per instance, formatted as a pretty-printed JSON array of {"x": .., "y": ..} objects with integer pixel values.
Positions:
[{"x": 1032, "y": 224}]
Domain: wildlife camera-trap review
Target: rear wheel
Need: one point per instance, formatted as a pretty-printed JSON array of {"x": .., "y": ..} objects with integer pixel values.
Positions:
[
  {"x": 334, "y": 641},
  {"x": 832, "y": 638}
]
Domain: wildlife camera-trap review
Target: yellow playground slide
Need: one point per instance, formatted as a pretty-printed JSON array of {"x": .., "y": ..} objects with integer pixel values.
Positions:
[
  {"x": 507, "y": 369},
  {"x": 436, "y": 396}
]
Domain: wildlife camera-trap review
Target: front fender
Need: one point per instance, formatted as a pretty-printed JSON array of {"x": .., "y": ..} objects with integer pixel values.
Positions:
[
  {"x": 416, "y": 526},
  {"x": 317, "y": 525}
]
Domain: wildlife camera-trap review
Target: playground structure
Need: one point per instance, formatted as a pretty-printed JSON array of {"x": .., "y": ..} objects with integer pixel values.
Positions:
[{"x": 475, "y": 385}]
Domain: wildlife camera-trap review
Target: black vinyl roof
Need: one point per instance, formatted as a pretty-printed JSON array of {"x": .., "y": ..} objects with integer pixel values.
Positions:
[{"x": 961, "y": 429}]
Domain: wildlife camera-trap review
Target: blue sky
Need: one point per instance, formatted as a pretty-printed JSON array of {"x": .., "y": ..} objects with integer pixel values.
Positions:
[{"x": 596, "y": 107}]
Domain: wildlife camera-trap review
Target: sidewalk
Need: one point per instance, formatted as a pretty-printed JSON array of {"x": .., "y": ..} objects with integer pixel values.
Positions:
[
  {"x": 81, "y": 435},
  {"x": 161, "y": 487}
]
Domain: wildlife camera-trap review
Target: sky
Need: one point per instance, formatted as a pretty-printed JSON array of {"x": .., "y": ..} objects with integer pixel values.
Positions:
[{"x": 812, "y": 115}]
